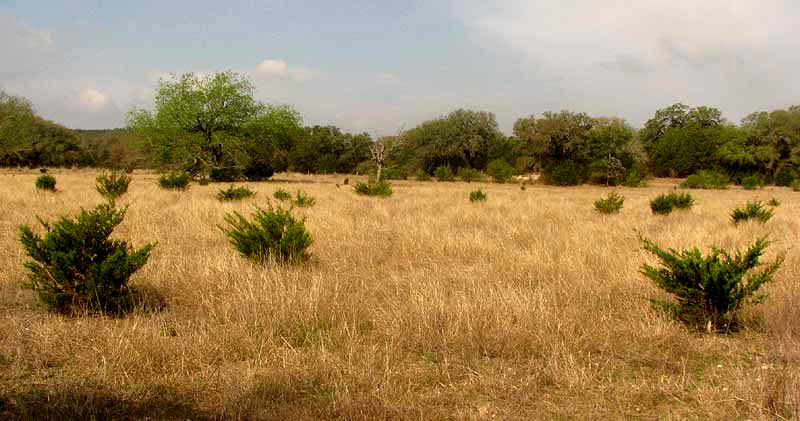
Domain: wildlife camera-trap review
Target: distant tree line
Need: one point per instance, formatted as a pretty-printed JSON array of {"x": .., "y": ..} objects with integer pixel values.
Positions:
[{"x": 214, "y": 126}]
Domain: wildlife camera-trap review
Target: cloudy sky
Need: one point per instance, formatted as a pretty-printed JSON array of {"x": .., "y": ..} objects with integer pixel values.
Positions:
[{"x": 378, "y": 66}]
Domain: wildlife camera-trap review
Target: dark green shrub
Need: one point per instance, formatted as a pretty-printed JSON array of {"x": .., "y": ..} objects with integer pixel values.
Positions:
[
  {"x": 257, "y": 171},
  {"x": 43, "y": 170},
  {"x": 203, "y": 181},
  {"x": 796, "y": 185},
  {"x": 76, "y": 266},
  {"x": 112, "y": 185},
  {"x": 774, "y": 202},
  {"x": 753, "y": 210},
  {"x": 46, "y": 182},
  {"x": 174, "y": 180},
  {"x": 706, "y": 179},
  {"x": 708, "y": 291},
  {"x": 304, "y": 200},
  {"x": 611, "y": 204},
  {"x": 226, "y": 174},
  {"x": 682, "y": 201},
  {"x": 282, "y": 195},
  {"x": 374, "y": 189},
  {"x": 234, "y": 193},
  {"x": 500, "y": 171},
  {"x": 477, "y": 196},
  {"x": 275, "y": 234},
  {"x": 443, "y": 174},
  {"x": 751, "y": 182},
  {"x": 470, "y": 174},
  {"x": 423, "y": 176},
  {"x": 564, "y": 173},
  {"x": 663, "y": 204},
  {"x": 784, "y": 177}
]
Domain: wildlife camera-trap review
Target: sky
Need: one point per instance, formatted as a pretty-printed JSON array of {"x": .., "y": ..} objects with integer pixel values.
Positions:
[{"x": 382, "y": 66}]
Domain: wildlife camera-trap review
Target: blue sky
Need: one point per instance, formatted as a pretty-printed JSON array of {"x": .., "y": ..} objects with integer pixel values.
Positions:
[{"x": 378, "y": 66}]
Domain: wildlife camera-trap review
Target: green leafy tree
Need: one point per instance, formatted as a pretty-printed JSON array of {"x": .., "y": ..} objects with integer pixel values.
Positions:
[
  {"x": 203, "y": 122},
  {"x": 27, "y": 139},
  {"x": 610, "y": 144},
  {"x": 553, "y": 138},
  {"x": 772, "y": 140},
  {"x": 267, "y": 140},
  {"x": 326, "y": 149},
  {"x": 681, "y": 140},
  {"x": 570, "y": 147},
  {"x": 16, "y": 126},
  {"x": 463, "y": 138}
]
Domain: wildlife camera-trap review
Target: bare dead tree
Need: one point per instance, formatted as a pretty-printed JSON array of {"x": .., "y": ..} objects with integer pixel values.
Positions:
[{"x": 382, "y": 149}]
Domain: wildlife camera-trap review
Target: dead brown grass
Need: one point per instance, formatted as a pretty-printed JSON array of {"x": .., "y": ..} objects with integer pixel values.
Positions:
[{"x": 419, "y": 306}]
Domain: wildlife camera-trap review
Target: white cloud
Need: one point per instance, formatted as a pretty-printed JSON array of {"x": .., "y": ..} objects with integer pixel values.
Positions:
[
  {"x": 302, "y": 74},
  {"x": 93, "y": 98},
  {"x": 272, "y": 67},
  {"x": 280, "y": 69},
  {"x": 629, "y": 58}
]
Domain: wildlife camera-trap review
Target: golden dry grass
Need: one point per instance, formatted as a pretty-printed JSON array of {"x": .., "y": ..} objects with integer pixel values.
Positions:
[{"x": 419, "y": 306}]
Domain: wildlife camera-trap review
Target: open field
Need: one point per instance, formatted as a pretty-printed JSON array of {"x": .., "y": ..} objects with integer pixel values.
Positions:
[{"x": 419, "y": 306}]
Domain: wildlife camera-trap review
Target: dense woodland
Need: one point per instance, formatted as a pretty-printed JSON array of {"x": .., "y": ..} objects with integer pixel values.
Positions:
[{"x": 213, "y": 125}]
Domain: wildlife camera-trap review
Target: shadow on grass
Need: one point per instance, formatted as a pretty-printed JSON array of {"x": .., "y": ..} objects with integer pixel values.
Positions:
[
  {"x": 281, "y": 398},
  {"x": 287, "y": 181},
  {"x": 90, "y": 402}
]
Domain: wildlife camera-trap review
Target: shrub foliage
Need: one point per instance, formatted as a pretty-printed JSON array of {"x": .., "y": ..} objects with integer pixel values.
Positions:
[
  {"x": 751, "y": 182},
  {"x": 443, "y": 173},
  {"x": 500, "y": 170},
  {"x": 76, "y": 266},
  {"x": 664, "y": 204},
  {"x": 234, "y": 193},
  {"x": 564, "y": 173},
  {"x": 477, "y": 196},
  {"x": 682, "y": 201},
  {"x": 470, "y": 174},
  {"x": 46, "y": 182},
  {"x": 174, "y": 180},
  {"x": 611, "y": 204},
  {"x": 112, "y": 185},
  {"x": 226, "y": 174},
  {"x": 709, "y": 290},
  {"x": 381, "y": 189},
  {"x": 274, "y": 234},
  {"x": 753, "y": 210},
  {"x": 706, "y": 179},
  {"x": 303, "y": 199},
  {"x": 282, "y": 195}
]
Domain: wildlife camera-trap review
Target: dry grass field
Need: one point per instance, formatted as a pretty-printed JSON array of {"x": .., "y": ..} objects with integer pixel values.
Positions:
[{"x": 420, "y": 306}]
